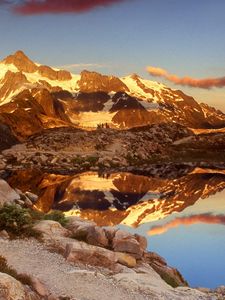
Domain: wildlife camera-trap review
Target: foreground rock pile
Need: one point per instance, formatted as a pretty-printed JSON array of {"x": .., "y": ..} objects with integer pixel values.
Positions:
[
  {"x": 130, "y": 271},
  {"x": 87, "y": 256}
]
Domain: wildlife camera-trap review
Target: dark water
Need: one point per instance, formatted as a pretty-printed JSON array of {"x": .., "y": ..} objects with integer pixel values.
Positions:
[{"x": 181, "y": 215}]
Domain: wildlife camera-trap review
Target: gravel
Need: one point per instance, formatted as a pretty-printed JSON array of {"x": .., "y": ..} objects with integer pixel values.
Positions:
[{"x": 60, "y": 277}]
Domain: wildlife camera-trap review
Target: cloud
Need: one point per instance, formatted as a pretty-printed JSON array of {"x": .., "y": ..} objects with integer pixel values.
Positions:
[
  {"x": 81, "y": 65},
  {"x": 205, "y": 83},
  {"x": 190, "y": 220},
  {"x": 32, "y": 7}
]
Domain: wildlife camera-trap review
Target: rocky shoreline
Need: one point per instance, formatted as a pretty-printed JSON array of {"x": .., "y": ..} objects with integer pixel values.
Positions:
[
  {"x": 70, "y": 150},
  {"x": 103, "y": 255}
]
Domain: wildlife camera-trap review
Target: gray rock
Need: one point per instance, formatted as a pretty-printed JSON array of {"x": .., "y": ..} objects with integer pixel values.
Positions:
[
  {"x": 32, "y": 197},
  {"x": 51, "y": 229},
  {"x": 7, "y": 194}
]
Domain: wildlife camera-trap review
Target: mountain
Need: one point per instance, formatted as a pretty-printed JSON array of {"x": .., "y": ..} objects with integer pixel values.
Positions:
[
  {"x": 121, "y": 198},
  {"x": 34, "y": 97}
]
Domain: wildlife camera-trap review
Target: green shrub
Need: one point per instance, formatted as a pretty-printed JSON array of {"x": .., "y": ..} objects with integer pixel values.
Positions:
[
  {"x": 36, "y": 215},
  {"x": 19, "y": 221},
  {"x": 57, "y": 216},
  {"x": 15, "y": 220}
]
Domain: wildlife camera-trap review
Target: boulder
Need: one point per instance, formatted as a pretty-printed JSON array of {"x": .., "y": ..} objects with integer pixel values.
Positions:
[
  {"x": 10, "y": 288},
  {"x": 142, "y": 241},
  {"x": 51, "y": 229},
  {"x": 75, "y": 222},
  {"x": 110, "y": 233},
  {"x": 79, "y": 227},
  {"x": 88, "y": 254},
  {"x": 96, "y": 236},
  {"x": 32, "y": 197},
  {"x": 87, "y": 231},
  {"x": 126, "y": 242},
  {"x": 7, "y": 194}
]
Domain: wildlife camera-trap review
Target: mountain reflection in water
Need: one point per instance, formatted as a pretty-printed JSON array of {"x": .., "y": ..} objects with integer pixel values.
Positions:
[{"x": 120, "y": 198}]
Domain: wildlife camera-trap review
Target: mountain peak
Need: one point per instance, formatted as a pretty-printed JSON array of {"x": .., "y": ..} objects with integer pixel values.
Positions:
[
  {"x": 20, "y": 54},
  {"x": 21, "y": 61},
  {"x": 135, "y": 76}
]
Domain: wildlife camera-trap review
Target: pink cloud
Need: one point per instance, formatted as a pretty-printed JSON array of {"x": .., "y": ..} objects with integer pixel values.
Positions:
[
  {"x": 61, "y": 6},
  {"x": 190, "y": 220},
  {"x": 206, "y": 83}
]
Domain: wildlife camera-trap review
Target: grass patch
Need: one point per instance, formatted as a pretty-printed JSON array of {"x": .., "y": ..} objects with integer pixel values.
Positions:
[
  {"x": 57, "y": 216},
  {"x": 16, "y": 221},
  {"x": 19, "y": 222}
]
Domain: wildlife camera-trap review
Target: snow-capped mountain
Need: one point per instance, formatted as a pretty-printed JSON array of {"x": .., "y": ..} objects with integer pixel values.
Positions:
[{"x": 34, "y": 96}]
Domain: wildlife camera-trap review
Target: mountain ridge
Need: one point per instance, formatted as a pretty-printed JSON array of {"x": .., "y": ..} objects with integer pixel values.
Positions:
[{"x": 48, "y": 96}]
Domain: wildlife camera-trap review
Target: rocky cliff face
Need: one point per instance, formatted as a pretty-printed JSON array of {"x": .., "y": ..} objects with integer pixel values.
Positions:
[
  {"x": 11, "y": 83},
  {"x": 94, "y": 82},
  {"x": 31, "y": 111},
  {"x": 48, "y": 72}
]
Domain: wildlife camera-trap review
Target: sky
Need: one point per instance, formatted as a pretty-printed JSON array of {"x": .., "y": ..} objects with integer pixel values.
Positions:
[{"x": 120, "y": 37}]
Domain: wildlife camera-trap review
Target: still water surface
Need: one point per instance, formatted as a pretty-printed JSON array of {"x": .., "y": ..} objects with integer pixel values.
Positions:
[{"x": 182, "y": 216}]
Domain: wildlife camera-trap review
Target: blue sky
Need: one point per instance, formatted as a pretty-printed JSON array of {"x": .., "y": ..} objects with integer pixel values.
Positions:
[{"x": 184, "y": 37}]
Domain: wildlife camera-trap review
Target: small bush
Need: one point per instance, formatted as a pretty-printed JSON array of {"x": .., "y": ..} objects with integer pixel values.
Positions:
[
  {"x": 36, "y": 215},
  {"x": 15, "y": 220},
  {"x": 57, "y": 216},
  {"x": 19, "y": 221}
]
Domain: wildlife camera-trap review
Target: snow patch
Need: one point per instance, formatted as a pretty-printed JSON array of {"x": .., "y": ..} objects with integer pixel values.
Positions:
[{"x": 92, "y": 119}]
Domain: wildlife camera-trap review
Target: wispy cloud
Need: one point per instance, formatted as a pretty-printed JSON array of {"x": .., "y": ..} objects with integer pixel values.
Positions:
[
  {"x": 190, "y": 220},
  {"x": 205, "y": 83},
  {"x": 32, "y": 7},
  {"x": 81, "y": 65}
]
